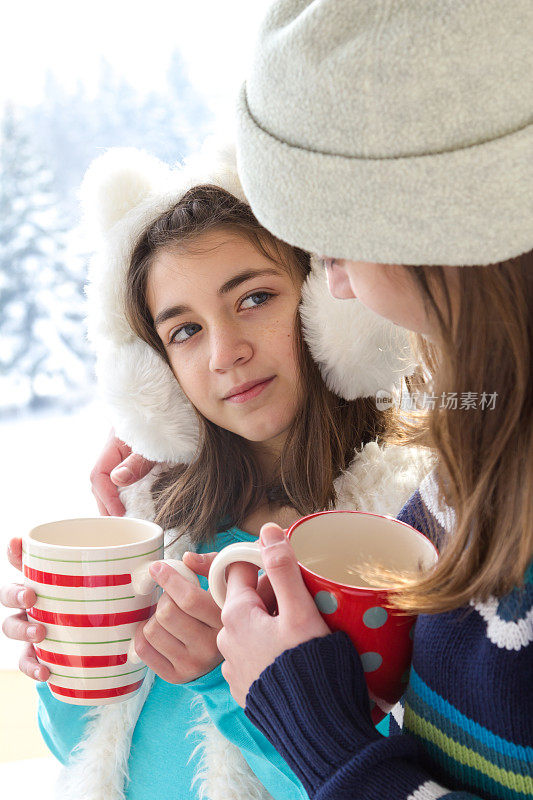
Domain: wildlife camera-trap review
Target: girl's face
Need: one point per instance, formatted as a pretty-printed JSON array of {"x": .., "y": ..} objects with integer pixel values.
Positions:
[
  {"x": 226, "y": 316},
  {"x": 386, "y": 289}
]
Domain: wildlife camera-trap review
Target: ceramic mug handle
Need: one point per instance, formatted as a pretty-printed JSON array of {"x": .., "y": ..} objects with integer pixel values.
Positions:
[
  {"x": 143, "y": 583},
  {"x": 241, "y": 551}
]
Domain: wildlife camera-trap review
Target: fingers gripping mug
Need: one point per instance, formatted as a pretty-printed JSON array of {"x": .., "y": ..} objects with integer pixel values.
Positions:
[
  {"x": 93, "y": 588},
  {"x": 333, "y": 548}
]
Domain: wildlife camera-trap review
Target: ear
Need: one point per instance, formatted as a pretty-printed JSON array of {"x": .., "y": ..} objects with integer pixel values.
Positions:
[{"x": 118, "y": 181}]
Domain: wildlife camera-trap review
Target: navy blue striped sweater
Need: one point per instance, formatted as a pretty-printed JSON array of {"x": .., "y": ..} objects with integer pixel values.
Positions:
[{"x": 465, "y": 725}]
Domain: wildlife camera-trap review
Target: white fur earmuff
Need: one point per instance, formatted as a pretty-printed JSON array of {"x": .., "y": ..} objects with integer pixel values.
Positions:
[
  {"x": 123, "y": 192},
  {"x": 358, "y": 352}
]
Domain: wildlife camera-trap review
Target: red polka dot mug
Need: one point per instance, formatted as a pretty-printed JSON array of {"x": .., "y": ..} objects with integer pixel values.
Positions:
[{"x": 334, "y": 550}]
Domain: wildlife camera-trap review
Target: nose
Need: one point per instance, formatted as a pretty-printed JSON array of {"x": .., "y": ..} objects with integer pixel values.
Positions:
[
  {"x": 228, "y": 349},
  {"x": 338, "y": 282}
]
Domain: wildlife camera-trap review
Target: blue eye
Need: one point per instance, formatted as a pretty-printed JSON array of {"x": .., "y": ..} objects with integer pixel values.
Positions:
[
  {"x": 184, "y": 333},
  {"x": 257, "y": 299}
]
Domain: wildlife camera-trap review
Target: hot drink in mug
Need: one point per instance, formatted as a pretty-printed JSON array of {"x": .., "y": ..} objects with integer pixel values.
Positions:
[
  {"x": 93, "y": 588},
  {"x": 337, "y": 552}
]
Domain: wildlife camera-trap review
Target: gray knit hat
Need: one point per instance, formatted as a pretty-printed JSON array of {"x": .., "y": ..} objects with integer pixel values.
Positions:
[{"x": 395, "y": 132}]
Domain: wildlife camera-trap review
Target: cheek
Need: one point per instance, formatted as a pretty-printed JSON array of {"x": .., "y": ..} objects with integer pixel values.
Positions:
[
  {"x": 276, "y": 348},
  {"x": 367, "y": 287},
  {"x": 289, "y": 365},
  {"x": 188, "y": 373},
  {"x": 385, "y": 294},
  {"x": 382, "y": 303},
  {"x": 401, "y": 303},
  {"x": 280, "y": 338}
]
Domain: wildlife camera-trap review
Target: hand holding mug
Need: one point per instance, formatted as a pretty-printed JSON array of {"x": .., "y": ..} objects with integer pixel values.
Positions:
[
  {"x": 17, "y": 626},
  {"x": 251, "y": 638},
  {"x": 337, "y": 552},
  {"x": 178, "y": 642},
  {"x": 92, "y": 585}
]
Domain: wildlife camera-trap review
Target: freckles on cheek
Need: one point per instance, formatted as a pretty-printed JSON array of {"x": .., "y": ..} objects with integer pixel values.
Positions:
[
  {"x": 184, "y": 374},
  {"x": 280, "y": 336}
]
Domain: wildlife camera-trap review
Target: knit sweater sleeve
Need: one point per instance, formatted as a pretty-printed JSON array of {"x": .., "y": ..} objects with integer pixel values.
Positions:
[{"x": 312, "y": 704}]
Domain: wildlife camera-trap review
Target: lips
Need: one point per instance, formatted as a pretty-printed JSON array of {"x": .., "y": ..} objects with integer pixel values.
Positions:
[{"x": 247, "y": 391}]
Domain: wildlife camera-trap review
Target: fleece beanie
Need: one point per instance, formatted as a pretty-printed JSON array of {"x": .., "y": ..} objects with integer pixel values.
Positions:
[{"x": 394, "y": 132}]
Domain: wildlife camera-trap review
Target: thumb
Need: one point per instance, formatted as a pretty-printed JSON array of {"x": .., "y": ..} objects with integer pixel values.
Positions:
[
  {"x": 199, "y": 562},
  {"x": 131, "y": 470},
  {"x": 283, "y": 572}
]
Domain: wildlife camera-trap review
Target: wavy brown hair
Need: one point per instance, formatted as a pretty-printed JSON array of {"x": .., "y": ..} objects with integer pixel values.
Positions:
[
  {"x": 224, "y": 484},
  {"x": 485, "y": 455}
]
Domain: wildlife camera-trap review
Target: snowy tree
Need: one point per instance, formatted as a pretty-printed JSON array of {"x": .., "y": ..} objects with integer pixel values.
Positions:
[
  {"x": 74, "y": 127},
  {"x": 45, "y": 151},
  {"x": 43, "y": 355}
]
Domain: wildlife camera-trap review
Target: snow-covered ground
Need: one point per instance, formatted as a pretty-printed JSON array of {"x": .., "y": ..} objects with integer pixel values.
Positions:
[{"x": 45, "y": 461}]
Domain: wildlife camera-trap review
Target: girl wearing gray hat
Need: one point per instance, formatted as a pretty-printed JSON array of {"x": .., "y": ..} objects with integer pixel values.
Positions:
[{"x": 397, "y": 139}]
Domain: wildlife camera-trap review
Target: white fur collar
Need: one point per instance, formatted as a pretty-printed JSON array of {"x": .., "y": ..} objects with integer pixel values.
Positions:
[{"x": 380, "y": 479}]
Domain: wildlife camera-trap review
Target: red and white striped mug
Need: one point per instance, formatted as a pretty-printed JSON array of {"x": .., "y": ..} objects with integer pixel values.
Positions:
[{"x": 93, "y": 588}]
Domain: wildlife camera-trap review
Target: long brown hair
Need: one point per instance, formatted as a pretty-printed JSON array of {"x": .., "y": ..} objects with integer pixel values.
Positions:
[
  {"x": 485, "y": 451},
  {"x": 224, "y": 484}
]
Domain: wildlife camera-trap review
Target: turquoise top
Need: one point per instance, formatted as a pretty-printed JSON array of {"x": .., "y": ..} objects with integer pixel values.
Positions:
[{"x": 163, "y": 760}]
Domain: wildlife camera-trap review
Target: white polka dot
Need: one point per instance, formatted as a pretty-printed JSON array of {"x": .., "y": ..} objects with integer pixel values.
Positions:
[
  {"x": 371, "y": 661},
  {"x": 326, "y": 602},
  {"x": 375, "y": 617}
]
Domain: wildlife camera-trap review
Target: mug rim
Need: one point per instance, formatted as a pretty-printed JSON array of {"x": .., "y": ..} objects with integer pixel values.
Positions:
[
  {"x": 364, "y": 589},
  {"x": 157, "y": 531}
]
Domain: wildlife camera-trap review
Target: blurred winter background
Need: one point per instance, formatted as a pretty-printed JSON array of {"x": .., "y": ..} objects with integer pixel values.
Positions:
[{"x": 76, "y": 79}]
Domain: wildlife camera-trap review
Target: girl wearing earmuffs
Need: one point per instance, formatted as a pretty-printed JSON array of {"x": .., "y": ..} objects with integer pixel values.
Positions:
[{"x": 196, "y": 319}]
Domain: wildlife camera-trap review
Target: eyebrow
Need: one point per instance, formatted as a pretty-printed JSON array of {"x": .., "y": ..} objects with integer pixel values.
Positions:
[{"x": 228, "y": 286}]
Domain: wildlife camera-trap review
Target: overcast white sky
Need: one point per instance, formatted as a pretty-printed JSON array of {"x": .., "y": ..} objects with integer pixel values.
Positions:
[{"x": 70, "y": 37}]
